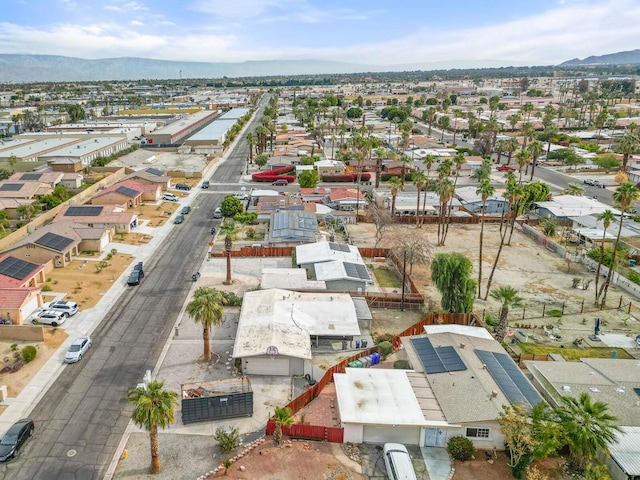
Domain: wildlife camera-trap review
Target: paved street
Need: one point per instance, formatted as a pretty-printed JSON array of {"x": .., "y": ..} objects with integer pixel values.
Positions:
[{"x": 81, "y": 419}]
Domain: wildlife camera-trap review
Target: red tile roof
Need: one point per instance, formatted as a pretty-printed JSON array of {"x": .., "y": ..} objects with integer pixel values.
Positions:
[{"x": 14, "y": 298}]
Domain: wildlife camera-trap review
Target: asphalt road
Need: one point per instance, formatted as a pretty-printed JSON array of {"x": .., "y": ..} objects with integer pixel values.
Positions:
[{"x": 81, "y": 419}]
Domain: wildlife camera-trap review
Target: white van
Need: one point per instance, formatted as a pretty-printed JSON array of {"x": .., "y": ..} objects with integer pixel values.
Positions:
[
  {"x": 170, "y": 197},
  {"x": 398, "y": 462}
]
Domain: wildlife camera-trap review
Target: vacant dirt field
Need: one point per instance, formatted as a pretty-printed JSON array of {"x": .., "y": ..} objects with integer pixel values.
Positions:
[
  {"x": 156, "y": 214},
  {"x": 480, "y": 468},
  {"x": 82, "y": 282}
]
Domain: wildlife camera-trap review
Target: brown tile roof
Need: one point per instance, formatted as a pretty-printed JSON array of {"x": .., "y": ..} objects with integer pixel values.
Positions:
[{"x": 14, "y": 298}]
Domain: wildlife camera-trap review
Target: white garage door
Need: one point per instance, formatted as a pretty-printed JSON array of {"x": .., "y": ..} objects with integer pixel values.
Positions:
[
  {"x": 266, "y": 366},
  {"x": 30, "y": 307},
  {"x": 104, "y": 241},
  {"x": 387, "y": 434}
]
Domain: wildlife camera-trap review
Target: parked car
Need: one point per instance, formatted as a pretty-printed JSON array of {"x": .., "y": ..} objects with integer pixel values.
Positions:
[
  {"x": 170, "y": 197},
  {"x": 49, "y": 317},
  {"x": 241, "y": 196},
  {"x": 14, "y": 438},
  {"x": 505, "y": 168},
  {"x": 79, "y": 347},
  {"x": 138, "y": 266},
  {"x": 68, "y": 308},
  {"x": 588, "y": 181},
  {"x": 185, "y": 210},
  {"x": 217, "y": 213},
  {"x": 205, "y": 184},
  {"x": 182, "y": 186},
  {"x": 280, "y": 182},
  {"x": 597, "y": 183},
  {"x": 135, "y": 277},
  {"x": 178, "y": 220},
  {"x": 398, "y": 462}
]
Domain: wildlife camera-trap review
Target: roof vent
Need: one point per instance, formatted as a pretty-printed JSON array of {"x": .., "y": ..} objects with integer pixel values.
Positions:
[
  {"x": 462, "y": 345},
  {"x": 594, "y": 390},
  {"x": 494, "y": 394},
  {"x": 484, "y": 366},
  {"x": 566, "y": 388},
  {"x": 620, "y": 389}
]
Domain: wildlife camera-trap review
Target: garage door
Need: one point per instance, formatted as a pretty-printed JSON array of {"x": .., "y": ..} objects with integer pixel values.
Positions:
[
  {"x": 30, "y": 307},
  {"x": 266, "y": 366},
  {"x": 386, "y": 434},
  {"x": 104, "y": 241}
]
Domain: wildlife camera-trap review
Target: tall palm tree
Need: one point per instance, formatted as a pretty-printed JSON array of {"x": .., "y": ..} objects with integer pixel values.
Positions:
[
  {"x": 624, "y": 196},
  {"x": 607, "y": 218},
  {"x": 527, "y": 133},
  {"x": 206, "y": 309},
  {"x": 445, "y": 191},
  {"x": 428, "y": 161},
  {"x": 405, "y": 160},
  {"x": 535, "y": 149},
  {"x": 522, "y": 159},
  {"x": 228, "y": 228},
  {"x": 587, "y": 425},
  {"x": 508, "y": 297},
  {"x": 419, "y": 180},
  {"x": 628, "y": 145},
  {"x": 380, "y": 153},
  {"x": 574, "y": 189},
  {"x": 154, "y": 407},
  {"x": 485, "y": 190},
  {"x": 396, "y": 187},
  {"x": 283, "y": 418},
  {"x": 251, "y": 143},
  {"x": 510, "y": 146}
]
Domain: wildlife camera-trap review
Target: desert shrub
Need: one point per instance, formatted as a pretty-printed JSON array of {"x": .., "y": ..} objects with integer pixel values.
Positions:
[
  {"x": 250, "y": 233},
  {"x": 227, "y": 440},
  {"x": 385, "y": 349},
  {"x": 492, "y": 322},
  {"x": 554, "y": 313},
  {"x": 29, "y": 353},
  {"x": 401, "y": 365},
  {"x": 46, "y": 287},
  {"x": 460, "y": 448},
  {"x": 382, "y": 337},
  {"x": 14, "y": 347}
]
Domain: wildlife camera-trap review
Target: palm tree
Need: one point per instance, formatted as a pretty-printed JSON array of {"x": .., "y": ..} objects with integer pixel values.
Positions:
[
  {"x": 405, "y": 160},
  {"x": 419, "y": 180},
  {"x": 445, "y": 190},
  {"x": 574, "y": 189},
  {"x": 535, "y": 149},
  {"x": 251, "y": 143},
  {"x": 154, "y": 407},
  {"x": 206, "y": 309},
  {"x": 522, "y": 158},
  {"x": 443, "y": 124},
  {"x": 628, "y": 145},
  {"x": 428, "y": 161},
  {"x": 587, "y": 425},
  {"x": 228, "y": 228},
  {"x": 282, "y": 418},
  {"x": 508, "y": 297},
  {"x": 396, "y": 186},
  {"x": 500, "y": 149},
  {"x": 485, "y": 190},
  {"x": 607, "y": 218},
  {"x": 624, "y": 196},
  {"x": 380, "y": 154},
  {"x": 510, "y": 146}
]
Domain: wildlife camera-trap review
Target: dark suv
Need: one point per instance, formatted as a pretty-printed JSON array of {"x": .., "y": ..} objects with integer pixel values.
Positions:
[
  {"x": 135, "y": 277},
  {"x": 182, "y": 186}
]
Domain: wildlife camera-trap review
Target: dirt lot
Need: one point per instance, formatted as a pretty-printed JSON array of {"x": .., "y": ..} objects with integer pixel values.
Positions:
[
  {"x": 16, "y": 381},
  {"x": 479, "y": 468},
  {"x": 81, "y": 281},
  {"x": 156, "y": 214}
]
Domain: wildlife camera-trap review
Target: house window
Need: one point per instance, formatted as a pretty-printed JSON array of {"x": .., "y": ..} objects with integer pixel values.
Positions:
[{"x": 473, "y": 432}]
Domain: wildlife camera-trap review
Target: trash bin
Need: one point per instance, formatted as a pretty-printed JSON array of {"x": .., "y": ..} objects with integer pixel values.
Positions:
[
  {"x": 357, "y": 343},
  {"x": 364, "y": 344}
]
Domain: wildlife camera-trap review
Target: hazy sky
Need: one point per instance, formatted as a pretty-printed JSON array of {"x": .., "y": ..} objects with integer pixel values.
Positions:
[{"x": 533, "y": 32}]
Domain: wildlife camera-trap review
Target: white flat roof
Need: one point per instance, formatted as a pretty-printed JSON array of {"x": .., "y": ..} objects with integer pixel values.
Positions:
[
  {"x": 33, "y": 148},
  {"x": 85, "y": 147},
  {"x": 294, "y": 278},
  {"x": 479, "y": 332},
  {"x": 318, "y": 252},
  {"x": 214, "y": 131},
  {"x": 377, "y": 397}
]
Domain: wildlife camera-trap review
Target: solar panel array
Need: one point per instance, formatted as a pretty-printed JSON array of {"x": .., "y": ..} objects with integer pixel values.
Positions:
[
  {"x": 54, "y": 241},
  {"x": 339, "y": 247},
  {"x": 437, "y": 359},
  {"x": 155, "y": 171},
  {"x": 83, "y": 211},
  {"x": 509, "y": 378},
  {"x": 10, "y": 187},
  {"x": 129, "y": 192},
  {"x": 356, "y": 270},
  {"x": 31, "y": 176},
  {"x": 16, "y": 268}
]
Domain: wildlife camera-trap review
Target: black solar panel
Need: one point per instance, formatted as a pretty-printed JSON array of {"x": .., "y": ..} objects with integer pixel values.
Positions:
[
  {"x": 54, "y": 242},
  {"x": 338, "y": 247},
  {"x": 31, "y": 176},
  {"x": 16, "y": 268},
  {"x": 509, "y": 378},
  {"x": 11, "y": 187},
  {"x": 83, "y": 211},
  {"x": 129, "y": 192},
  {"x": 155, "y": 171},
  {"x": 356, "y": 270},
  {"x": 437, "y": 359}
]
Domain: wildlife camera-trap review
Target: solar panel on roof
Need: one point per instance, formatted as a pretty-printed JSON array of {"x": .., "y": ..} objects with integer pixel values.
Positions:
[
  {"x": 31, "y": 176},
  {"x": 338, "y": 247},
  {"x": 83, "y": 211},
  {"x": 54, "y": 241},
  {"x": 129, "y": 192},
  {"x": 355, "y": 270},
  {"x": 509, "y": 378},
  {"x": 155, "y": 171},
  {"x": 437, "y": 359},
  {"x": 16, "y": 268},
  {"x": 10, "y": 187}
]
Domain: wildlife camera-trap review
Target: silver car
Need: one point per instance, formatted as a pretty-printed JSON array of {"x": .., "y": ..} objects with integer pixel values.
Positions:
[
  {"x": 49, "y": 317},
  {"x": 79, "y": 347}
]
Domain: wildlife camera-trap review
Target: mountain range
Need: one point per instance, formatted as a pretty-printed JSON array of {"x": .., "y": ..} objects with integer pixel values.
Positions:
[{"x": 630, "y": 57}]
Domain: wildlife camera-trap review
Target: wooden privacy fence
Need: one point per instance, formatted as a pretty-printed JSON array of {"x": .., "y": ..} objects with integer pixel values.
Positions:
[
  {"x": 531, "y": 356},
  {"x": 315, "y": 432}
]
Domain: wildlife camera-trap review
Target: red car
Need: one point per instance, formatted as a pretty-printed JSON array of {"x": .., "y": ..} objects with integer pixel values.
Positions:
[{"x": 505, "y": 168}]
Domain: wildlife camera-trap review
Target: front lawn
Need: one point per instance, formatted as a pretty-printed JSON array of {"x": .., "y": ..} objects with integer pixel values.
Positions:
[{"x": 573, "y": 353}]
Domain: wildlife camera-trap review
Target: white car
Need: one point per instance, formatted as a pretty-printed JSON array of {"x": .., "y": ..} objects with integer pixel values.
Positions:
[
  {"x": 241, "y": 196},
  {"x": 68, "y": 308},
  {"x": 79, "y": 347},
  {"x": 49, "y": 317}
]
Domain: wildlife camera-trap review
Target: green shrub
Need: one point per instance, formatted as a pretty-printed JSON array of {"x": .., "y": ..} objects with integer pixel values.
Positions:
[
  {"x": 492, "y": 322},
  {"x": 460, "y": 448},
  {"x": 634, "y": 277},
  {"x": 554, "y": 313},
  {"x": 401, "y": 365},
  {"x": 46, "y": 287},
  {"x": 14, "y": 347},
  {"x": 250, "y": 233},
  {"x": 227, "y": 440},
  {"x": 385, "y": 349},
  {"x": 231, "y": 299},
  {"x": 382, "y": 337},
  {"x": 29, "y": 353}
]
